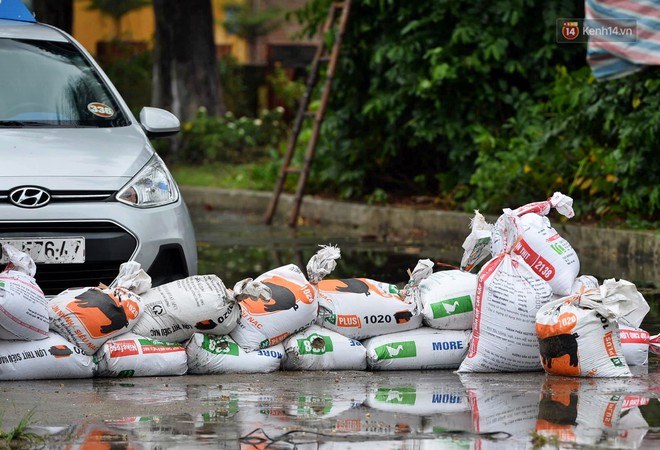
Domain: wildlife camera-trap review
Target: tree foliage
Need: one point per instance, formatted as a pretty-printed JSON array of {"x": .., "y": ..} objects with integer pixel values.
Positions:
[
  {"x": 250, "y": 22},
  {"x": 465, "y": 99}
]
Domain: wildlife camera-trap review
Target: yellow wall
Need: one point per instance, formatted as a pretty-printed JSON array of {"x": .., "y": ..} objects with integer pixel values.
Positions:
[{"x": 89, "y": 27}]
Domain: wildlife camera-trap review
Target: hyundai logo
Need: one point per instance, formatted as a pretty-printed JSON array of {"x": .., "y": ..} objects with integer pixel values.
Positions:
[{"x": 29, "y": 197}]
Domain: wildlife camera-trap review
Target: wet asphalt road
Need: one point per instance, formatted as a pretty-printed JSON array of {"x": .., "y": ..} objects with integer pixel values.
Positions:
[{"x": 334, "y": 409}]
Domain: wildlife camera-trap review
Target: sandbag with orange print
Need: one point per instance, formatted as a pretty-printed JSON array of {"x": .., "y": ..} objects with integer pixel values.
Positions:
[
  {"x": 360, "y": 308},
  {"x": 289, "y": 306},
  {"x": 579, "y": 335},
  {"x": 89, "y": 316}
]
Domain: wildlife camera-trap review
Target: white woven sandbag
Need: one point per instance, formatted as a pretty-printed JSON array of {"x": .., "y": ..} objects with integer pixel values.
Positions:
[
  {"x": 290, "y": 307},
  {"x": 625, "y": 301},
  {"x": 635, "y": 345},
  {"x": 420, "y": 349},
  {"x": 209, "y": 354},
  {"x": 132, "y": 355},
  {"x": 174, "y": 311},
  {"x": 88, "y": 317},
  {"x": 361, "y": 308},
  {"x": 579, "y": 335},
  {"x": 51, "y": 358},
  {"x": 447, "y": 299},
  {"x": 507, "y": 299},
  {"x": 23, "y": 306},
  {"x": 584, "y": 282},
  {"x": 527, "y": 232},
  {"x": 317, "y": 348}
]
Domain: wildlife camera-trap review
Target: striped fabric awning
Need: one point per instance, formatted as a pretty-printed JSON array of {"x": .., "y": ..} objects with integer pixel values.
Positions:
[{"x": 614, "y": 59}]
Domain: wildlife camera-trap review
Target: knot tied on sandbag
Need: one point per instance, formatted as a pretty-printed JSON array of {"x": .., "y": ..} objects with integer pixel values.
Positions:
[
  {"x": 250, "y": 289},
  {"x": 19, "y": 261},
  {"x": 132, "y": 277},
  {"x": 410, "y": 293},
  {"x": 23, "y": 305},
  {"x": 322, "y": 263}
]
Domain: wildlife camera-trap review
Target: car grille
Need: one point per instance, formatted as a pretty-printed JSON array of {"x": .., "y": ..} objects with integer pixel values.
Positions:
[
  {"x": 107, "y": 246},
  {"x": 69, "y": 196}
]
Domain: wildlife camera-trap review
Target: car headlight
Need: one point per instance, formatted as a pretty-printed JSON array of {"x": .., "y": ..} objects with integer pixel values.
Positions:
[{"x": 152, "y": 186}]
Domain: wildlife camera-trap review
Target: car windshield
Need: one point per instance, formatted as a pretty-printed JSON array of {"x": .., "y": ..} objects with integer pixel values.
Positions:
[{"x": 45, "y": 83}]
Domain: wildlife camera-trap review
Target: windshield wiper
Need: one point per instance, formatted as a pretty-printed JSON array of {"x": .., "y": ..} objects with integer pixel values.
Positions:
[{"x": 22, "y": 123}]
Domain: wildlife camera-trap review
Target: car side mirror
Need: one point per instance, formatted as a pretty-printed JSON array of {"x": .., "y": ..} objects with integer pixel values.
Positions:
[{"x": 158, "y": 123}]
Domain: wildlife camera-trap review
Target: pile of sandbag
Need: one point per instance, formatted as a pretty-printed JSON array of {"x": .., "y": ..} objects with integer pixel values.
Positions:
[
  {"x": 28, "y": 349},
  {"x": 281, "y": 320},
  {"x": 80, "y": 333},
  {"x": 369, "y": 324},
  {"x": 526, "y": 309},
  {"x": 129, "y": 328},
  {"x": 533, "y": 311}
]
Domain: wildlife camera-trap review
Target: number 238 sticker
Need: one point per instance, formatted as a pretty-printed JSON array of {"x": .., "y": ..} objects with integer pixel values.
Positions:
[{"x": 100, "y": 109}]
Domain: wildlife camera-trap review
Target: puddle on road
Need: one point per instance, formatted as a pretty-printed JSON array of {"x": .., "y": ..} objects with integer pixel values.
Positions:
[
  {"x": 236, "y": 246},
  {"x": 333, "y": 410}
]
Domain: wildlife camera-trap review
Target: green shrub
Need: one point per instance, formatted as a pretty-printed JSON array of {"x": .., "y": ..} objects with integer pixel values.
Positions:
[
  {"x": 416, "y": 81},
  {"x": 230, "y": 139},
  {"x": 475, "y": 102},
  {"x": 288, "y": 92},
  {"x": 596, "y": 141}
]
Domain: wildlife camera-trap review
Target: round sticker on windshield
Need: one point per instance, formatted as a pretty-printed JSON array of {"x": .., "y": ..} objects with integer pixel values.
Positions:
[{"x": 100, "y": 109}]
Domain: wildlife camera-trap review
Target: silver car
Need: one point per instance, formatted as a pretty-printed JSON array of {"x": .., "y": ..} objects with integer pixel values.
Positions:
[{"x": 81, "y": 187}]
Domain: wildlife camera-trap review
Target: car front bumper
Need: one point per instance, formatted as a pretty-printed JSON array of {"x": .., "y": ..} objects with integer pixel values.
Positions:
[{"x": 161, "y": 239}]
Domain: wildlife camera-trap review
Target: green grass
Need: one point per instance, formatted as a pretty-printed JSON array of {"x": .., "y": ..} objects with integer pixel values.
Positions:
[
  {"x": 18, "y": 436},
  {"x": 258, "y": 176}
]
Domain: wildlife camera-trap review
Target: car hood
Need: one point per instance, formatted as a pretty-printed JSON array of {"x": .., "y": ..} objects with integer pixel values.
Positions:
[{"x": 53, "y": 158}]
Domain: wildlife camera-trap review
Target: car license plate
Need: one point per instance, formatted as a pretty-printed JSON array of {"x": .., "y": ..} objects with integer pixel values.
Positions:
[{"x": 69, "y": 250}]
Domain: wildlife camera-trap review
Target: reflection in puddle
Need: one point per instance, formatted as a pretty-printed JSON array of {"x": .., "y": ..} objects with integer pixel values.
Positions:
[
  {"x": 328, "y": 410},
  {"x": 612, "y": 420}
]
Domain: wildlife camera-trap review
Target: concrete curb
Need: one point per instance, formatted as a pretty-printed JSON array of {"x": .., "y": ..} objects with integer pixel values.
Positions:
[{"x": 623, "y": 248}]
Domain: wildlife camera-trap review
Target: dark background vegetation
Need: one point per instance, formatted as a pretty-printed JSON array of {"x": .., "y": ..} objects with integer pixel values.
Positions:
[
  {"x": 474, "y": 102},
  {"x": 467, "y": 104}
]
